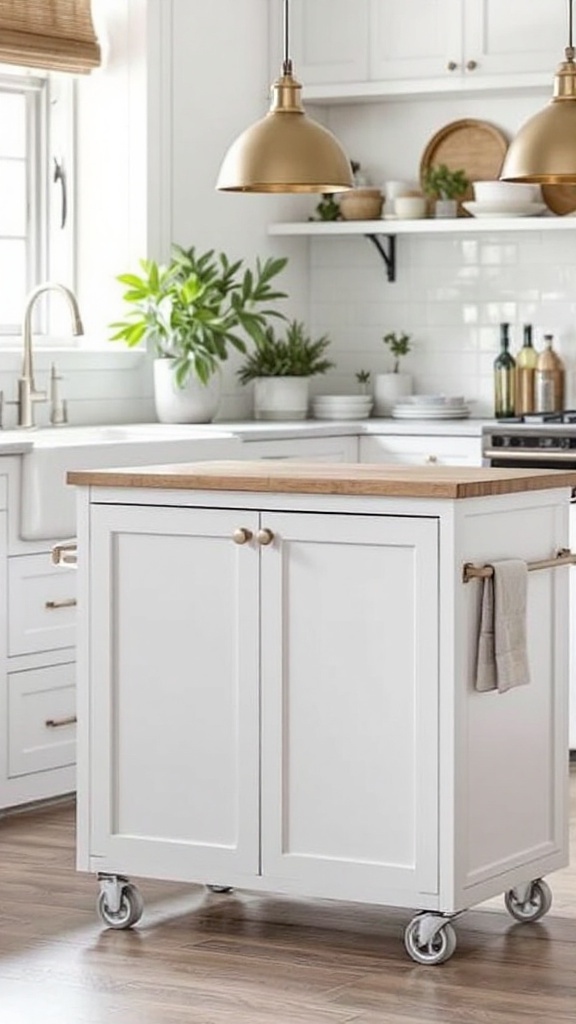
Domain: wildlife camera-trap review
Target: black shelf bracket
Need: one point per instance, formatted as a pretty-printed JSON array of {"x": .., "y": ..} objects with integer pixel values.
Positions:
[{"x": 389, "y": 256}]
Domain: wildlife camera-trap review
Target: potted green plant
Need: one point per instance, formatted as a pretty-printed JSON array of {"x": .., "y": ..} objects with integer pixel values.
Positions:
[
  {"x": 190, "y": 312},
  {"x": 445, "y": 187},
  {"x": 390, "y": 386},
  {"x": 281, "y": 368}
]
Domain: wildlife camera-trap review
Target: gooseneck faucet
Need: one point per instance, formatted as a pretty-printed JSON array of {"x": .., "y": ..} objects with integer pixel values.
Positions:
[{"x": 28, "y": 393}]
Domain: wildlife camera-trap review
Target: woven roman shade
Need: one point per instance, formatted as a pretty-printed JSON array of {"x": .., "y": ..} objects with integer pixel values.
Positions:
[{"x": 57, "y": 35}]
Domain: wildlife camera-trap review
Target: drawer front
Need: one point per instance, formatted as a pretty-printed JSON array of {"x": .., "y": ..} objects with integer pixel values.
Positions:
[
  {"x": 41, "y": 719},
  {"x": 41, "y": 606},
  {"x": 421, "y": 451},
  {"x": 3, "y": 492}
]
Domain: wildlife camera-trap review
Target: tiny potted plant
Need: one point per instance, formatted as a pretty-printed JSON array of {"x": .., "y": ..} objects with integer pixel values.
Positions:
[
  {"x": 363, "y": 381},
  {"x": 390, "y": 386},
  {"x": 190, "y": 312},
  {"x": 281, "y": 368},
  {"x": 445, "y": 187}
]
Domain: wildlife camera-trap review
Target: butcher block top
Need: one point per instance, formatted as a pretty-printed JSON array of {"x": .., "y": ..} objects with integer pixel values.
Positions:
[{"x": 329, "y": 478}]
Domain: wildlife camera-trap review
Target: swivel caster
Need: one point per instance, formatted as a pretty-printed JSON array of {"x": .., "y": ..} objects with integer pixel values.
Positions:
[
  {"x": 220, "y": 888},
  {"x": 119, "y": 904},
  {"x": 429, "y": 939},
  {"x": 529, "y": 902}
]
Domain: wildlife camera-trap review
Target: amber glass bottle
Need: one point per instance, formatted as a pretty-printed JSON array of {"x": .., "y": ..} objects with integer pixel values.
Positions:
[
  {"x": 504, "y": 377},
  {"x": 549, "y": 379}
]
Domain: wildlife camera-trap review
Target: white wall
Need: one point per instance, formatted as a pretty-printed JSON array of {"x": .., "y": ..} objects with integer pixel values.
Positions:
[{"x": 181, "y": 79}]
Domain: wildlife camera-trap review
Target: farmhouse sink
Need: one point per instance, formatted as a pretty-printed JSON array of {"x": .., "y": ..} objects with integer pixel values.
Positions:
[{"x": 48, "y": 505}]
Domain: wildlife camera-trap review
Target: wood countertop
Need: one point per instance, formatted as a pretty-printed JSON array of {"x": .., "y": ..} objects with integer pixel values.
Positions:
[{"x": 285, "y": 477}]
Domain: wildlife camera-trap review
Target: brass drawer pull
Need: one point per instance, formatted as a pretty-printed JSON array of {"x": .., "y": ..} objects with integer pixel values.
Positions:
[
  {"x": 241, "y": 535},
  {"x": 57, "y": 723},
  {"x": 67, "y": 602},
  {"x": 264, "y": 537},
  {"x": 65, "y": 553}
]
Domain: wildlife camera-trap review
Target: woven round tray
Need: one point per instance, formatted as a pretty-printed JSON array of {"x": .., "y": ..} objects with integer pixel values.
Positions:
[{"x": 476, "y": 147}]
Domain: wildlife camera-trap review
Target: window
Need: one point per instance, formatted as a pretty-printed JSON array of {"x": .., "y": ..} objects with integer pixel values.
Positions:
[{"x": 36, "y": 189}]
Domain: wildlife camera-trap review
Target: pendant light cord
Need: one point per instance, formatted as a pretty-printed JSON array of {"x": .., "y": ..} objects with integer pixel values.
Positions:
[
  {"x": 570, "y": 47},
  {"x": 286, "y": 63}
]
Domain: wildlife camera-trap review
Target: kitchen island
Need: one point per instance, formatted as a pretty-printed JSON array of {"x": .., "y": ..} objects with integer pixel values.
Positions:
[{"x": 277, "y": 686}]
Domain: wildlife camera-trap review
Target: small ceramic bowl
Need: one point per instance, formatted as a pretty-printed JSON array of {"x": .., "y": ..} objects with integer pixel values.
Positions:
[
  {"x": 410, "y": 207},
  {"x": 506, "y": 192},
  {"x": 361, "y": 204}
]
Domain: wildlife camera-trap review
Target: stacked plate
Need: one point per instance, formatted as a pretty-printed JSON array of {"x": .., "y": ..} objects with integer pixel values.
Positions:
[
  {"x": 496, "y": 209},
  {"x": 341, "y": 407},
  {"x": 431, "y": 407}
]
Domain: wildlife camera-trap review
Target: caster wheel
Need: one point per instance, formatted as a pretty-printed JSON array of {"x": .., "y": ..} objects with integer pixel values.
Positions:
[
  {"x": 129, "y": 912},
  {"x": 537, "y": 903},
  {"x": 436, "y": 951},
  {"x": 220, "y": 888}
]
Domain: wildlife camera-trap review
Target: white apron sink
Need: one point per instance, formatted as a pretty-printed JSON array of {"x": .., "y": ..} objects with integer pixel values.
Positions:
[{"x": 48, "y": 504}]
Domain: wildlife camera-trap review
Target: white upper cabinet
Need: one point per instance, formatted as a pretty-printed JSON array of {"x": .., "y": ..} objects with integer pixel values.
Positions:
[
  {"x": 355, "y": 48},
  {"x": 328, "y": 39}
]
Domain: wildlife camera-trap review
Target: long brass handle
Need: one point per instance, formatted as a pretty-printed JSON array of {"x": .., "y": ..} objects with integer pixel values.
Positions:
[
  {"x": 481, "y": 572},
  {"x": 264, "y": 537},
  {"x": 57, "y": 723},
  {"x": 242, "y": 535},
  {"x": 67, "y": 602}
]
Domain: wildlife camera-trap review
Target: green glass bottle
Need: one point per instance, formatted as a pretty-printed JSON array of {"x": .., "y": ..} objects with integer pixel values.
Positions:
[{"x": 504, "y": 377}]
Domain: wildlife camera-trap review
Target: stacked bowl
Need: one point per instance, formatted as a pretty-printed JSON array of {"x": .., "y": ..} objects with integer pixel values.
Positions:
[
  {"x": 505, "y": 199},
  {"x": 341, "y": 407}
]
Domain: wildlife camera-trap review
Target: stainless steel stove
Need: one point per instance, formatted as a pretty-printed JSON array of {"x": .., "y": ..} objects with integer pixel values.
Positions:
[{"x": 535, "y": 441}]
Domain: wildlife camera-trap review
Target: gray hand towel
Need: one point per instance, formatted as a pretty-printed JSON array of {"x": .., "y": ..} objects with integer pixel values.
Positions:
[{"x": 502, "y": 649}]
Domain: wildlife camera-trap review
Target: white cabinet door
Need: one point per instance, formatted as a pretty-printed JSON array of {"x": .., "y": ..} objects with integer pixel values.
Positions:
[
  {"x": 174, "y": 693},
  {"x": 350, "y": 705},
  {"x": 514, "y": 37},
  {"x": 421, "y": 450},
  {"x": 328, "y": 40},
  {"x": 415, "y": 40}
]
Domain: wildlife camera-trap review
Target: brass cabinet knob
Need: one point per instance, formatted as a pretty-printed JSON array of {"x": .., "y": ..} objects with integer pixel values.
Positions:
[
  {"x": 431, "y": 458},
  {"x": 451, "y": 65},
  {"x": 241, "y": 535},
  {"x": 264, "y": 537},
  {"x": 471, "y": 65}
]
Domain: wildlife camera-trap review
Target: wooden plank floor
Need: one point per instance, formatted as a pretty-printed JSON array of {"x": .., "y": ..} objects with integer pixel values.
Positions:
[{"x": 200, "y": 958}]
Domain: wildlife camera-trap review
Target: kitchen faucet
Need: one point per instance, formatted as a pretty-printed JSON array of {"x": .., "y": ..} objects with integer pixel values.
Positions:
[{"x": 28, "y": 394}]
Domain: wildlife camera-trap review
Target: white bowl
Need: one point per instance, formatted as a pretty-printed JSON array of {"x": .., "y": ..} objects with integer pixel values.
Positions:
[{"x": 506, "y": 192}]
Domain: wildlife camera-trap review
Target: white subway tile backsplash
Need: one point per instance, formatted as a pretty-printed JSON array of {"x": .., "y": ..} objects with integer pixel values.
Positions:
[{"x": 451, "y": 295}]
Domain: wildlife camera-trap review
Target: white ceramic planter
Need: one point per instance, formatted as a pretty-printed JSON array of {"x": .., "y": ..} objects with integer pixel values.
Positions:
[
  {"x": 194, "y": 403},
  {"x": 388, "y": 389},
  {"x": 281, "y": 398}
]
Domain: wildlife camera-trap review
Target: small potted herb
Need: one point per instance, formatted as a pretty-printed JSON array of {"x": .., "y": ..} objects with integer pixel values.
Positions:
[
  {"x": 445, "y": 187},
  {"x": 390, "y": 386},
  {"x": 281, "y": 368}
]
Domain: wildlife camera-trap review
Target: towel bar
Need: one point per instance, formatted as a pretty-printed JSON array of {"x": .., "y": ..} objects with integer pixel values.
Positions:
[{"x": 481, "y": 572}]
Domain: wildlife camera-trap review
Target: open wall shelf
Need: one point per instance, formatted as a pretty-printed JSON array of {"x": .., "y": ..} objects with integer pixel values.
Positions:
[{"x": 383, "y": 232}]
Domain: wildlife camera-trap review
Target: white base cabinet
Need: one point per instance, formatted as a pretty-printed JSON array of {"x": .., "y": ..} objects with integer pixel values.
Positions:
[{"x": 276, "y": 692}]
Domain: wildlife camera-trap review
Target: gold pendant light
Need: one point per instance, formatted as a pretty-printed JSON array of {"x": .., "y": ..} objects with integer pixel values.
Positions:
[
  {"x": 286, "y": 151},
  {"x": 544, "y": 150}
]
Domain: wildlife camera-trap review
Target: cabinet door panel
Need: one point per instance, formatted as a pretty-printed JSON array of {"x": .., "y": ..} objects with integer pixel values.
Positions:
[
  {"x": 175, "y": 696},
  {"x": 349, "y": 692},
  {"x": 504, "y": 38},
  {"x": 415, "y": 40},
  {"x": 328, "y": 40},
  {"x": 42, "y": 609},
  {"x": 41, "y": 719}
]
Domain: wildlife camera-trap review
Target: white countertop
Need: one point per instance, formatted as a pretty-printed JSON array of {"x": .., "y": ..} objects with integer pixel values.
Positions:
[{"x": 19, "y": 442}]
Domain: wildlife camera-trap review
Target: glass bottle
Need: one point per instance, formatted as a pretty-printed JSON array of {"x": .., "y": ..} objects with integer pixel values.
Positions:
[
  {"x": 549, "y": 379},
  {"x": 504, "y": 377},
  {"x": 525, "y": 370}
]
